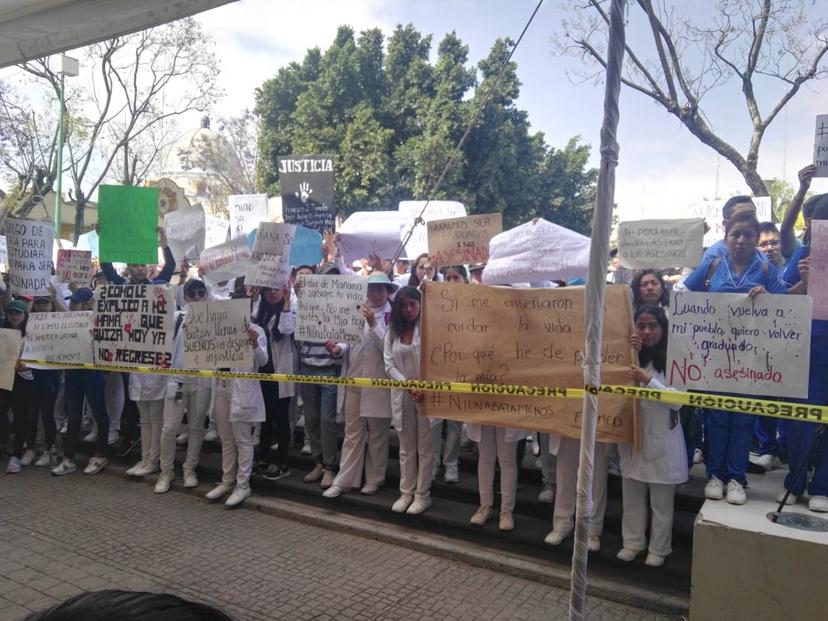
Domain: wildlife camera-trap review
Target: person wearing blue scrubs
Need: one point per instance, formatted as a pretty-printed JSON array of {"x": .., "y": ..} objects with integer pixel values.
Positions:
[
  {"x": 799, "y": 435},
  {"x": 740, "y": 270}
]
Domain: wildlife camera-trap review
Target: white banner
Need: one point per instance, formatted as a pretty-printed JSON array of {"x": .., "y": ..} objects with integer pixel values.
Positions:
[
  {"x": 436, "y": 210},
  {"x": 226, "y": 261},
  {"x": 246, "y": 211},
  {"x": 215, "y": 335},
  {"x": 725, "y": 342},
  {"x": 330, "y": 308},
  {"x": 185, "y": 229},
  {"x": 370, "y": 232},
  {"x": 29, "y": 250},
  {"x": 9, "y": 353},
  {"x": 534, "y": 252},
  {"x": 59, "y": 337},
  {"x": 660, "y": 244}
]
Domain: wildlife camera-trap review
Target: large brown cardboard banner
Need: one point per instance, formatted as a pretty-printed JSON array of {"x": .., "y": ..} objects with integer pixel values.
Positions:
[
  {"x": 532, "y": 337},
  {"x": 458, "y": 241}
]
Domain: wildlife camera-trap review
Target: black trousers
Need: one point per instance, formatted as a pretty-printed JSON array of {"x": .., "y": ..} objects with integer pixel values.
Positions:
[
  {"x": 277, "y": 422},
  {"x": 21, "y": 398}
]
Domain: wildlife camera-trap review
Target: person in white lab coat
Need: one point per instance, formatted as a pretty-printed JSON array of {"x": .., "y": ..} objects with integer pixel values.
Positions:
[
  {"x": 402, "y": 362},
  {"x": 237, "y": 404},
  {"x": 661, "y": 463},
  {"x": 367, "y": 410}
]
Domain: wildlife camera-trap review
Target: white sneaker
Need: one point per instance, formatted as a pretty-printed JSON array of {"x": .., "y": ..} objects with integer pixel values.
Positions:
[
  {"x": 237, "y": 497},
  {"x": 222, "y": 489},
  {"x": 274, "y": 447},
  {"x": 306, "y": 449},
  {"x": 556, "y": 537},
  {"x": 547, "y": 495},
  {"x": 418, "y": 506},
  {"x": 92, "y": 436},
  {"x": 131, "y": 471},
  {"x": 334, "y": 491},
  {"x": 28, "y": 458},
  {"x": 735, "y": 493},
  {"x": 714, "y": 490},
  {"x": 818, "y": 504},
  {"x": 64, "y": 467},
  {"x": 114, "y": 437},
  {"x": 162, "y": 485},
  {"x": 768, "y": 462},
  {"x": 190, "y": 478},
  {"x": 698, "y": 456},
  {"x": 142, "y": 470},
  {"x": 369, "y": 489},
  {"x": 45, "y": 459},
  {"x": 95, "y": 465},
  {"x": 451, "y": 475},
  {"x": 654, "y": 560},
  {"x": 182, "y": 438},
  {"x": 594, "y": 543},
  {"x": 481, "y": 516},
  {"x": 792, "y": 498},
  {"x": 627, "y": 555},
  {"x": 402, "y": 503},
  {"x": 211, "y": 436}
]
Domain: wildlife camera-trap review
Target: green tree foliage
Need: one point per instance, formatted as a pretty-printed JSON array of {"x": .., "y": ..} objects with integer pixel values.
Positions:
[{"x": 392, "y": 120}]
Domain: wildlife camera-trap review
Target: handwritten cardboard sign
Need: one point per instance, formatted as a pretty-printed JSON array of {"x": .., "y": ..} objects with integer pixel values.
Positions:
[
  {"x": 215, "y": 335},
  {"x": 307, "y": 186},
  {"x": 226, "y": 261},
  {"x": 532, "y": 337},
  {"x": 536, "y": 251},
  {"x": 370, "y": 232},
  {"x": 246, "y": 211},
  {"x": 134, "y": 325},
  {"x": 74, "y": 266},
  {"x": 818, "y": 277},
  {"x": 330, "y": 308},
  {"x": 29, "y": 254},
  {"x": 435, "y": 210},
  {"x": 461, "y": 241},
  {"x": 128, "y": 219},
  {"x": 185, "y": 229},
  {"x": 10, "y": 342},
  {"x": 821, "y": 146},
  {"x": 59, "y": 337},
  {"x": 725, "y": 342},
  {"x": 660, "y": 244}
]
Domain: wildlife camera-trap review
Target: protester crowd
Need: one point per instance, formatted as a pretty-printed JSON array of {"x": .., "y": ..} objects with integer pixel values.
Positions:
[{"x": 347, "y": 429}]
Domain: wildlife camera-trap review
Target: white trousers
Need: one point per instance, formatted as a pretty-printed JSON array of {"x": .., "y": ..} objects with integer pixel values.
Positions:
[
  {"x": 416, "y": 452},
  {"x": 634, "y": 521},
  {"x": 493, "y": 445},
  {"x": 151, "y": 422},
  {"x": 566, "y": 482},
  {"x": 236, "y": 439},
  {"x": 451, "y": 448},
  {"x": 194, "y": 400},
  {"x": 365, "y": 446},
  {"x": 115, "y": 396}
]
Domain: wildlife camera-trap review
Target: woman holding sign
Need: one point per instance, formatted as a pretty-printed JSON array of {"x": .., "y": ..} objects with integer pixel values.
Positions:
[
  {"x": 740, "y": 270},
  {"x": 402, "y": 362}
]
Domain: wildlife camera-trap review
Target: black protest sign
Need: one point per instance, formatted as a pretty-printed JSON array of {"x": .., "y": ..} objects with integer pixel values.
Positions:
[{"x": 307, "y": 183}]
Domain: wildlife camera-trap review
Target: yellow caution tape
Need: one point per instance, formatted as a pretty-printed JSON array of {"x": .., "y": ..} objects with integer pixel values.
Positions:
[{"x": 744, "y": 405}]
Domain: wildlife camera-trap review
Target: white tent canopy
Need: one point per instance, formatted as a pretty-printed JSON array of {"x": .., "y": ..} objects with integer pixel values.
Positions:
[{"x": 36, "y": 28}]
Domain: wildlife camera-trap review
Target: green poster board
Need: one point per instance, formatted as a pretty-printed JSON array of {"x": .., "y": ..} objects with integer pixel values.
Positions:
[{"x": 128, "y": 221}]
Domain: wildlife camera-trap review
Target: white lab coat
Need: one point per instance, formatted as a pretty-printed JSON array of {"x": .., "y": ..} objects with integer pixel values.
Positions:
[
  {"x": 283, "y": 352},
  {"x": 402, "y": 362},
  {"x": 367, "y": 359},
  {"x": 146, "y": 387},
  {"x": 663, "y": 456},
  {"x": 246, "y": 401}
]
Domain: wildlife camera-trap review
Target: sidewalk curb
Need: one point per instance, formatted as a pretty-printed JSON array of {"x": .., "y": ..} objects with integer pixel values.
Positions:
[{"x": 445, "y": 547}]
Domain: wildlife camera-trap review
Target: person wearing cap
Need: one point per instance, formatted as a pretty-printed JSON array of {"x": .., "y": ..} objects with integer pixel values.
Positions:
[
  {"x": 184, "y": 393},
  {"x": 367, "y": 410},
  {"x": 21, "y": 397},
  {"x": 84, "y": 384}
]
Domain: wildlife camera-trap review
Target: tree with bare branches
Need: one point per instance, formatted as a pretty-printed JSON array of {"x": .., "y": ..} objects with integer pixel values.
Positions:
[{"x": 762, "y": 45}]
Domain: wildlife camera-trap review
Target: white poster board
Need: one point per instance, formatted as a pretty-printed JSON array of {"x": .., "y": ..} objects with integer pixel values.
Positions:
[
  {"x": 436, "y": 210},
  {"x": 711, "y": 211},
  {"x": 534, "y": 252},
  {"x": 29, "y": 251},
  {"x": 3, "y": 257},
  {"x": 185, "y": 229},
  {"x": 821, "y": 146},
  {"x": 660, "y": 244},
  {"x": 246, "y": 211},
  {"x": 215, "y": 335},
  {"x": 10, "y": 342},
  {"x": 59, "y": 337},
  {"x": 330, "y": 308},
  {"x": 225, "y": 261},
  {"x": 270, "y": 257},
  {"x": 370, "y": 232},
  {"x": 215, "y": 230},
  {"x": 74, "y": 266},
  {"x": 725, "y": 342}
]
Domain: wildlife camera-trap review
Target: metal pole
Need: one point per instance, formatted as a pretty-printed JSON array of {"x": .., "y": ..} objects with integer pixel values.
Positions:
[{"x": 59, "y": 175}]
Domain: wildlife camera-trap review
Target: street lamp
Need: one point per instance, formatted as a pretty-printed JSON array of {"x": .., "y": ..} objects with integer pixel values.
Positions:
[{"x": 66, "y": 66}]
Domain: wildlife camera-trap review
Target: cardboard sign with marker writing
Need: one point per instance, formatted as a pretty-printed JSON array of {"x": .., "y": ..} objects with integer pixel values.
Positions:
[
  {"x": 534, "y": 337},
  {"x": 461, "y": 241}
]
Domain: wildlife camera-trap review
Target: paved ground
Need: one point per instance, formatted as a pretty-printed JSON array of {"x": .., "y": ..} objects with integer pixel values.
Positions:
[{"x": 59, "y": 537}]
